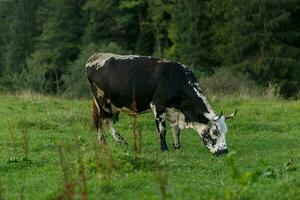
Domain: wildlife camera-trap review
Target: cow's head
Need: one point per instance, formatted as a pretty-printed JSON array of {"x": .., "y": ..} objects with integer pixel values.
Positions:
[{"x": 213, "y": 134}]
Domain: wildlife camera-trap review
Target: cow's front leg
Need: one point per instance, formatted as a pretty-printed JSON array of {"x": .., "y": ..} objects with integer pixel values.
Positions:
[
  {"x": 160, "y": 120},
  {"x": 162, "y": 131},
  {"x": 114, "y": 133},
  {"x": 176, "y": 132}
]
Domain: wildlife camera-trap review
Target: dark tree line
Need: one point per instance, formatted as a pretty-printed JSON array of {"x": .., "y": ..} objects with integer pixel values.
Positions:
[{"x": 44, "y": 44}]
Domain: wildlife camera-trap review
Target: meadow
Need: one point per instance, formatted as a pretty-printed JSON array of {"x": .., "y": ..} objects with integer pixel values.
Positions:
[{"x": 49, "y": 151}]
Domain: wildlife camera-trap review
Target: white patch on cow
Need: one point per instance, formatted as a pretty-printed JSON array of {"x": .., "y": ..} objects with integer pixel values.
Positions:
[
  {"x": 114, "y": 133},
  {"x": 99, "y": 59},
  {"x": 96, "y": 103},
  {"x": 164, "y": 61},
  {"x": 175, "y": 132},
  {"x": 159, "y": 118},
  {"x": 172, "y": 116},
  {"x": 99, "y": 92},
  {"x": 175, "y": 118},
  {"x": 222, "y": 125},
  {"x": 221, "y": 141},
  {"x": 185, "y": 68},
  {"x": 199, "y": 127},
  {"x": 153, "y": 108}
]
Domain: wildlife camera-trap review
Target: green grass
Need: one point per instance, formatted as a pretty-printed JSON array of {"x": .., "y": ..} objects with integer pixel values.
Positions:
[{"x": 264, "y": 136}]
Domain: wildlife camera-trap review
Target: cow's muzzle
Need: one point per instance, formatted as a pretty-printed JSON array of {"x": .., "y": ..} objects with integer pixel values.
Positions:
[{"x": 220, "y": 152}]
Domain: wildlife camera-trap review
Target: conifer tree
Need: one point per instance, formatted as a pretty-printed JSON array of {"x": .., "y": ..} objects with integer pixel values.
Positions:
[
  {"x": 57, "y": 46},
  {"x": 189, "y": 33},
  {"x": 20, "y": 27},
  {"x": 248, "y": 35}
]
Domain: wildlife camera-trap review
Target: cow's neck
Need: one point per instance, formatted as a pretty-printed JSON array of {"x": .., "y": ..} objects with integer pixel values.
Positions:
[{"x": 197, "y": 93}]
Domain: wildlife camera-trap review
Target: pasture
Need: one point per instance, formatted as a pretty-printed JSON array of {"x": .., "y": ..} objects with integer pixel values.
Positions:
[{"x": 49, "y": 151}]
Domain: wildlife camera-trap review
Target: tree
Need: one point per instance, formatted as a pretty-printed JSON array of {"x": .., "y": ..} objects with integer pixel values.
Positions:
[
  {"x": 248, "y": 36},
  {"x": 190, "y": 34},
  {"x": 101, "y": 23},
  {"x": 21, "y": 29},
  {"x": 57, "y": 46},
  {"x": 17, "y": 31}
]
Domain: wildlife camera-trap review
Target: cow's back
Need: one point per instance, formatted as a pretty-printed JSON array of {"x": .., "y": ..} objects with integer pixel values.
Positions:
[{"x": 125, "y": 79}]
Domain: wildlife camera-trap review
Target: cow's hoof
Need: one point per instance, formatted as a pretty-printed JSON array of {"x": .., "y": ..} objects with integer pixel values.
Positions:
[
  {"x": 164, "y": 149},
  {"x": 123, "y": 142},
  {"x": 102, "y": 140},
  {"x": 177, "y": 146}
]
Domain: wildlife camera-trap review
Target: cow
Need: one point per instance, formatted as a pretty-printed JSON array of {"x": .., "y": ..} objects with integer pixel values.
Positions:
[{"x": 169, "y": 89}]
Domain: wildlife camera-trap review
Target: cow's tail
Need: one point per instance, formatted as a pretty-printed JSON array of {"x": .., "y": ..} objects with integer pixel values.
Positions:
[{"x": 96, "y": 117}]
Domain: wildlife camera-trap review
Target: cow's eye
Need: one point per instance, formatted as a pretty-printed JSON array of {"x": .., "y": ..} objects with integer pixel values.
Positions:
[{"x": 215, "y": 132}]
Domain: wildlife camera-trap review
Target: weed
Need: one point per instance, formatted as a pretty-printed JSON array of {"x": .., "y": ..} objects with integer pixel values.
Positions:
[
  {"x": 1, "y": 191},
  {"x": 290, "y": 165},
  {"x": 82, "y": 175},
  {"x": 12, "y": 138},
  {"x": 25, "y": 145},
  {"x": 104, "y": 166},
  {"x": 39, "y": 124},
  {"x": 269, "y": 173},
  {"x": 272, "y": 91},
  {"x": 161, "y": 178},
  {"x": 137, "y": 134},
  {"x": 26, "y": 160},
  {"x": 69, "y": 193},
  {"x": 241, "y": 182}
]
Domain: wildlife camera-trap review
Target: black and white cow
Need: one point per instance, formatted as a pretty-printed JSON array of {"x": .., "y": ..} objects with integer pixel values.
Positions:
[{"x": 168, "y": 88}]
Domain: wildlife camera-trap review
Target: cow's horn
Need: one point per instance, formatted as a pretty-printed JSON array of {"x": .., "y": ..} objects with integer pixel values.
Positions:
[
  {"x": 220, "y": 114},
  {"x": 216, "y": 118},
  {"x": 231, "y": 115}
]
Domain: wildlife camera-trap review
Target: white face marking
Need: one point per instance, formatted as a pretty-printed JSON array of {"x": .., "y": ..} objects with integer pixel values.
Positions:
[
  {"x": 177, "y": 119},
  {"x": 219, "y": 125},
  {"x": 99, "y": 59},
  {"x": 221, "y": 128}
]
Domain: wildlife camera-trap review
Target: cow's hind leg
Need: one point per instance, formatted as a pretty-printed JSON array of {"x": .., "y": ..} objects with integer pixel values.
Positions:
[
  {"x": 114, "y": 133},
  {"x": 160, "y": 119},
  {"x": 176, "y": 132},
  {"x": 98, "y": 123}
]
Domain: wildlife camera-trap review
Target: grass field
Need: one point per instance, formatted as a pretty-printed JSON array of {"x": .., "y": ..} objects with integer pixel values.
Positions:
[{"x": 49, "y": 151}]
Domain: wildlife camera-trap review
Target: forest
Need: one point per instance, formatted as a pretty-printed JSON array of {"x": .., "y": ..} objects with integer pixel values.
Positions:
[{"x": 44, "y": 44}]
